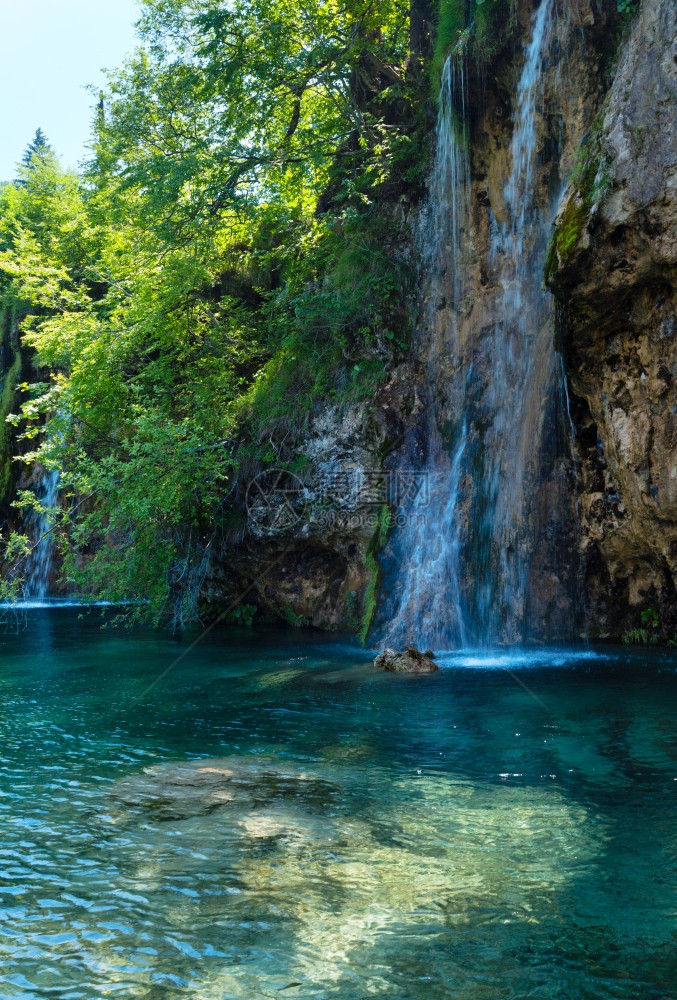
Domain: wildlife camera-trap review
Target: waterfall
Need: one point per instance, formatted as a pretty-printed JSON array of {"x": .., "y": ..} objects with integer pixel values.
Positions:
[
  {"x": 39, "y": 567},
  {"x": 522, "y": 367},
  {"x": 431, "y": 593},
  {"x": 492, "y": 418}
]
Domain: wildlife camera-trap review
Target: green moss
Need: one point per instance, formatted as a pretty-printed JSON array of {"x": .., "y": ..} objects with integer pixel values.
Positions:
[
  {"x": 452, "y": 22},
  {"x": 493, "y": 22},
  {"x": 370, "y": 594},
  {"x": 590, "y": 183},
  {"x": 290, "y": 388},
  {"x": 591, "y": 169},
  {"x": 343, "y": 318},
  {"x": 373, "y": 572},
  {"x": 565, "y": 237}
]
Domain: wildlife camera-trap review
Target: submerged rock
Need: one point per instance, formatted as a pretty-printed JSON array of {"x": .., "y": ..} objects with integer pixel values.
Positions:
[
  {"x": 187, "y": 789},
  {"x": 411, "y": 661}
]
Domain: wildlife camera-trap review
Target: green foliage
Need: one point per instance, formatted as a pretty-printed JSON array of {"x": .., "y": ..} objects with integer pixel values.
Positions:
[
  {"x": 243, "y": 614},
  {"x": 13, "y": 554},
  {"x": 648, "y": 634},
  {"x": 480, "y": 27},
  {"x": 627, "y": 6},
  {"x": 635, "y": 637},
  {"x": 187, "y": 304},
  {"x": 230, "y": 106},
  {"x": 650, "y": 618},
  {"x": 10, "y": 380},
  {"x": 338, "y": 322},
  {"x": 37, "y": 150},
  {"x": 289, "y": 615}
]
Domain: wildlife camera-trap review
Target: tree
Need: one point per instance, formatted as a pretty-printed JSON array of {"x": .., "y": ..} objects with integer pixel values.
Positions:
[
  {"x": 421, "y": 23},
  {"x": 38, "y": 152},
  {"x": 38, "y": 149},
  {"x": 188, "y": 304},
  {"x": 229, "y": 103}
]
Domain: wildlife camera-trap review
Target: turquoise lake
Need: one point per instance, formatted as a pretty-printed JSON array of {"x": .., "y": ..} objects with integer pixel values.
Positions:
[{"x": 505, "y": 828}]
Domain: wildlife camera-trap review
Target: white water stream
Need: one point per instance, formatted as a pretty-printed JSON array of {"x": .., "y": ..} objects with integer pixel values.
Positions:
[
  {"x": 40, "y": 563},
  {"x": 465, "y": 564}
]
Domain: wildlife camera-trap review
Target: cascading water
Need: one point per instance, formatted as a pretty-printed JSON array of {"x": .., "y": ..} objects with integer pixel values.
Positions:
[
  {"x": 465, "y": 559},
  {"x": 431, "y": 594},
  {"x": 522, "y": 364},
  {"x": 39, "y": 568}
]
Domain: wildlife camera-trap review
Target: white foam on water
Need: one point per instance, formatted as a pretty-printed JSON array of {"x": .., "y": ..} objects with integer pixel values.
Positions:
[
  {"x": 58, "y": 602},
  {"x": 483, "y": 659}
]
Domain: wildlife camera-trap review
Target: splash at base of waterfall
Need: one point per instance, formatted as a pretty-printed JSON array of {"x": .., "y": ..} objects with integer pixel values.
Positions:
[{"x": 37, "y": 603}]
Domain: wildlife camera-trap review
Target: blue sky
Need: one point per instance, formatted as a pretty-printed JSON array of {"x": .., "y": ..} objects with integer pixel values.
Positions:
[{"x": 49, "y": 51}]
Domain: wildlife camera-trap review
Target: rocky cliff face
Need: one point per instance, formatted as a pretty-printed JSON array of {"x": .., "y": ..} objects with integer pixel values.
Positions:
[
  {"x": 309, "y": 548},
  {"x": 613, "y": 268},
  {"x": 478, "y": 349}
]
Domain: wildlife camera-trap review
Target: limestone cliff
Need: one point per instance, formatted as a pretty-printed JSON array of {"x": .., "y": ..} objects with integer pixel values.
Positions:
[
  {"x": 309, "y": 550},
  {"x": 514, "y": 515},
  {"x": 305, "y": 545},
  {"x": 613, "y": 268},
  {"x": 317, "y": 562}
]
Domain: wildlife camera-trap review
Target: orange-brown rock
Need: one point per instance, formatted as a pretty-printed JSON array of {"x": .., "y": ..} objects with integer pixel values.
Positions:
[
  {"x": 411, "y": 661},
  {"x": 614, "y": 271}
]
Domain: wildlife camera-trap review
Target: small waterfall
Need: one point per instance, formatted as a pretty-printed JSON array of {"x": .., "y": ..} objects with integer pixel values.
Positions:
[
  {"x": 39, "y": 568},
  {"x": 429, "y": 560},
  {"x": 465, "y": 560},
  {"x": 522, "y": 366}
]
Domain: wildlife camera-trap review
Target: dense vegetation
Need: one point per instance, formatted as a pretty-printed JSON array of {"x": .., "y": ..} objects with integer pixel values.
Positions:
[{"x": 221, "y": 263}]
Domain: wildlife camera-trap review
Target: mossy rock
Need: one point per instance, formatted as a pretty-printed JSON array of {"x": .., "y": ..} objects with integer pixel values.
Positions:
[
  {"x": 566, "y": 236},
  {"x": 481, "y": 28},
  {"x": 590, "y": 183}
]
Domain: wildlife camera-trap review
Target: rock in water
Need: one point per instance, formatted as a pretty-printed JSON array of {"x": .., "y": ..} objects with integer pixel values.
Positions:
[
  {"x": 411, "y": 661},
  {"x": 187, "y": 789}
]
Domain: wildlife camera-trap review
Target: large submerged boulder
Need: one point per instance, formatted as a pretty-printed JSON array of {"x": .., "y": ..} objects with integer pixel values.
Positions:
[
  {"x": 411, "y": 661},
  {"x": 205, "y": 787}
]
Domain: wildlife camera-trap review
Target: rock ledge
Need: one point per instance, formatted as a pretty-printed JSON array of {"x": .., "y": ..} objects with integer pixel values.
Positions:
[{"x": 411, "y": 661}]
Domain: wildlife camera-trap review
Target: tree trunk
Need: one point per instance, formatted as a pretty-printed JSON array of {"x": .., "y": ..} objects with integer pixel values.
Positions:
[{"x": 421, "y": 13}]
